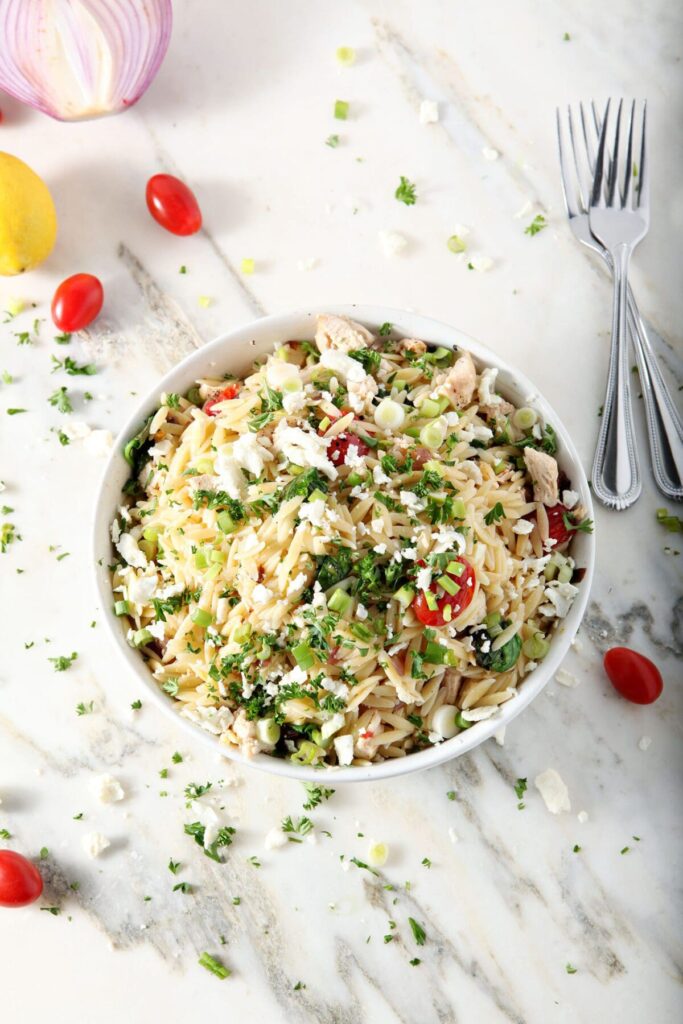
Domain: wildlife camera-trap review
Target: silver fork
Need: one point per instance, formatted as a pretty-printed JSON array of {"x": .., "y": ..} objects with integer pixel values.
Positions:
[{"x": 665, "y": 430}]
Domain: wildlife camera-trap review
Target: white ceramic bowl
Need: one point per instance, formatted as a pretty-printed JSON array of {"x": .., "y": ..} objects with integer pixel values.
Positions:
[{"x": 234, "y": 352}]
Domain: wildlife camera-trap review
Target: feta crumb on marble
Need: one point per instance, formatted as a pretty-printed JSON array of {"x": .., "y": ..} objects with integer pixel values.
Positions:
[
  {"x": 478, "y": 261},
  {"x": 275, "y": 839},
  {"x": 499, "y": 736},
  {"x": 108, "y": 789},
  {"x": 392, "y": 243},
  {"x": 565, "y": 678},
  {"x": 553, "y": 790},
  {"x": 94, "y": 843},
  {"x": 489, "y": 153},
  {"x": 429, "y": 112},
  {"x": 644, "y": 742},
  {"x": 452, "y": 835}
]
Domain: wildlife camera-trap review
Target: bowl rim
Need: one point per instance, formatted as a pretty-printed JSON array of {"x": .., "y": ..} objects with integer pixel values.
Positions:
[{"x": 289, "y": 324}]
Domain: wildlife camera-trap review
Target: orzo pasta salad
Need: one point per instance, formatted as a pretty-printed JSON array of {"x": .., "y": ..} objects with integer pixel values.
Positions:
[{"x": 354, "y": 553}]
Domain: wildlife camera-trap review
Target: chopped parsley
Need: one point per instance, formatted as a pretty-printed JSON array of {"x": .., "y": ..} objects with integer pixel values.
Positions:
[
  {"x": 85, "y": 709},
  {"x": 419, "y": 934},
  {"x": 495, "y": 514},
  {"x": 332, "y": 141},
  {"x": 173, "y": 866},
  {"x": 570, "y": 969},
  {"x": 405, "y": 192},
  {"x": 316, "y": 795},
  {"x": 223, "y": 838},
  {"x": 300, "y": 827},
  {"x": 63, "y": 662},
  {"x": 61, "y": 400},
  {"x": 73, "y": 368},
  {"x": 538, "y": 223},
  {"x": 214, "y": 966},
  {"x": 136, "y": 705}
]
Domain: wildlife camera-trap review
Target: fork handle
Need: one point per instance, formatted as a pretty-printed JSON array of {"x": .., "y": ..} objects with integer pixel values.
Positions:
[
  {"x": 664, "y": 426},
  {"x": 616, "y": 477}
]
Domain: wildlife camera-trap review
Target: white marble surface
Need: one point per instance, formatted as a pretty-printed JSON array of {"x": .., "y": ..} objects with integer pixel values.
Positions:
[{"x": 241, "y": 110}]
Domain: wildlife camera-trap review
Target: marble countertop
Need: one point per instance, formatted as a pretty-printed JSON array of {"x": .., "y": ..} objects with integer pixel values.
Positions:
[{"x": 241, "y": 110}]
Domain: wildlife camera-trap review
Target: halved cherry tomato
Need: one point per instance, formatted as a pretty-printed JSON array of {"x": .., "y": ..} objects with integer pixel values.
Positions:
[
  {"x": 557, "y": 528},
  {"x": 77, "y": 302},
  {"x": 339, "y": 446},
  {"x": 633, "y": 675},
  {"x": 448, "y": 606},
  {"x": 231, "y": 391},
  {"x": 173, "y": 204},
  {"x": 20, "y": 881}
]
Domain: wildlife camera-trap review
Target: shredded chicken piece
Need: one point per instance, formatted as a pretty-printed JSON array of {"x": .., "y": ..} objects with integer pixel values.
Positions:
[
  {"x": 544, "y": 473},
  {"x": 342, "y": 334},
  {"x": 460, "y": 381},
  {"x": 414, "y": 345}
]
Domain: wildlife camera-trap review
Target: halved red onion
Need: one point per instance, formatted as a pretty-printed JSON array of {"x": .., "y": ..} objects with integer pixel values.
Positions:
[{"x": 77, "y": 59}]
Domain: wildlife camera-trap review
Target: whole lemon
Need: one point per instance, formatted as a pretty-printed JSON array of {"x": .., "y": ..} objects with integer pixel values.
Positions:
[{"x": 28, "y": 221}]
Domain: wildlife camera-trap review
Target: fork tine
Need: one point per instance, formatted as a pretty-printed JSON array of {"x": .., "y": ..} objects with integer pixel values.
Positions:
[
  {"x": 643, "y": 193},
  {"x": 597, "y": 198},
  {"x": 565, "y": 173},
  {"x": 583, "y": 178},
  {"x": 614, "y": 170},
  {"x": 628, "y": 173}
]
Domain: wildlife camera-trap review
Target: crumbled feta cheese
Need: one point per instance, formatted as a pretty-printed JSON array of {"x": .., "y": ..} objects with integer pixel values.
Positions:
[
  {"x": 523, "y": 527},
  {"x": 392, "y": 243},
  {"x": 313, "y": 512},
  {"x": 553, "y": 790},
  {"x": 379, "y": 476},
  {"x": 160, "y": 449},
  {"x": 452, "y": 835},
  {"x": 354, "y": 457},
  {"x": 261, "y": 594},
  {"x": 304, "y": 447},
  {"x": 230, "y": 478},
  {"x": 489, "y": 153},
  {"x": 409, "y": 554},
  {"x": 115, "y": 531},
  {"x": 141, "y": 589},
  {"x": 499, "y": 736},
  {"x": 343, "y": 746},
  {"x": 332, "y": 725},
  {"x": 480, "y": 714},
  {"x": 644, "y": 742},
  {"x": 94, "y": 843},
  {"x": 339, "y": 362},
  {"x": 487, "y": 383},
  {"x": 423, "y": 578},
  {"x": 130, "y": 552},
  {"x": 248, "y": 453},
  {"x": 380, "y": 549},
  {"x": 108, "y": 789},
  {"x": 361, "y": 612},
  {"x": 570, "y": 498},
  {"x": 448, "y": 539},
  {"x": 480, "y": 262},
  {"x": 296, "y": 675},
  {"x": 429, "y": 112},
  {"x": 566, "y": 678},
  {"x": 411, "y": 501},
  {"x": 298, "y": 583},
  {"x": 582, "y": 817},
  {"x": 560, "y": 597},
  {"x": 75, "y": 430},
  {"x": 275, "y": 839},
  {"x": 294, "y": 401}
]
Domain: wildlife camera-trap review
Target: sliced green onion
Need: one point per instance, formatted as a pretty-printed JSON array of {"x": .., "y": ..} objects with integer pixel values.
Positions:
[
  {"x": 200, "y": 559},
  {"x": 150, "y": 534},
  {"x": 456, "y": 244},
  {"x": 459, "y": 510},
  {"x": 536, "y": 647},
  {"x": 194, "y": 396},
  {"x": 268, "y": 731},
  {"x": 412, "y": 431},
  {"x": 218, "y": 556},
  {"x": 434, "y": 466},
  {"x": 389, "y": 415},
  {"x": 346, "y": 55},
  {"x": 672, "y": 523},
  {"x": 525, "y": 418},
  {"x": 204, "y": 465},
  {"x": 455, "y": 568},
  {"x": 121, "y": 608},
  {"x": 317, "y": 495},
  {"x": 449, "y": 585},
  {"x": 201, "y": 617},
  {"x": 148, "y": 548},
  {"x": 323, "y": 425},
  {"x": 565, "y": 574},
  {"x": 432, "y": 435},
  {"x": 242, "y": 633},
  {"x": 307, "y": 753},
  {"x": 226, "y": 524},
  {"x": 404, "y": 596},
  {"x": 141, "y": 637},
  {"x": 339, "y": 602},
  {"x": 294, "y": 469},
  {"x": 492, "y": 623},
  {"x": 360, "y": 631},
  {"x": 341, "y": 110},
  {"x": 499, "y": 466},
  {"x": 354, "y": 479},
  {"x": 248, "y": 265},
  {"x": 447, "y": 612},
  {"x": 431, "y": 600},
  {"x": 212, "y": 572},
  {"x": 461, "y": 722},
  {"x": 303, "y": 655},
  {"x": 429, "y": 409}
]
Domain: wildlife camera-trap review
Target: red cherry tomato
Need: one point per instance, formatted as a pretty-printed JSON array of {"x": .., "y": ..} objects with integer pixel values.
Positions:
[
  {"x": 448, "y": 606},
  {"x": 77, "y": 302},
  {"x": 633, "y": 675},
  {"x": 173, "y": 205},
  {"x": 339, "y": 446},
  {"x": 20, "y": 881},
  {"x": 231, "y": 391}
]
